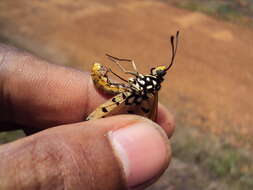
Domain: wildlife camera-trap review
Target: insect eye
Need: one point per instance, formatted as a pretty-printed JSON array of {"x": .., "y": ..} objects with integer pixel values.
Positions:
[{"x": 160, "y": 72}]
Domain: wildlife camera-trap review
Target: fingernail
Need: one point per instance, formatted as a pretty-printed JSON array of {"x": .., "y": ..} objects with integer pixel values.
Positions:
[{"x": 142, "y": 149}]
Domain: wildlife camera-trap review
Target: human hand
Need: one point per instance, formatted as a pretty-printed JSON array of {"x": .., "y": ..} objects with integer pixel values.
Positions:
[{"x": 50, "y": 102}]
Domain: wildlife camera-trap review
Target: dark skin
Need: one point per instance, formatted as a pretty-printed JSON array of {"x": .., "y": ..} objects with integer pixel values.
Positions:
[{"x": 49, "y": 102}]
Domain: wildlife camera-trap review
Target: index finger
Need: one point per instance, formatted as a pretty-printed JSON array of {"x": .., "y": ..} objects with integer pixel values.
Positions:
[{"x": 34, "y": 92}]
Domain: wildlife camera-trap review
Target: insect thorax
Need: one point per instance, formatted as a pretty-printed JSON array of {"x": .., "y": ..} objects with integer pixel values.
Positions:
[{"x": 142, "y": 87}]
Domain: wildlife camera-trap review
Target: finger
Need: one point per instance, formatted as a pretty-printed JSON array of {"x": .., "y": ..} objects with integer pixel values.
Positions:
[
  {"x": 112, "y": 153},
  {"x": 34, "y": 92},
  {"x": 166, "y": 120}
]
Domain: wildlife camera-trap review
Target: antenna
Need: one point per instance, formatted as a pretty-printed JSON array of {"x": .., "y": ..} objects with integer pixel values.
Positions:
[{"x": 173, "y": 49}]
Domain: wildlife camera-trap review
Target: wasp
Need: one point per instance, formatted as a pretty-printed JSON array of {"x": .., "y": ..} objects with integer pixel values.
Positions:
[{"x": 137, "y": 95}]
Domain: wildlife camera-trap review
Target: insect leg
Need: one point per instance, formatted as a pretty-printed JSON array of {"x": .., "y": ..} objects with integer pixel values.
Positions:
[
  {"x": 120, "y": 86},
  {"x": 115, "y": 60},
  {"x": 118, "y": 76},
  {"x": 101, "y": 80}
]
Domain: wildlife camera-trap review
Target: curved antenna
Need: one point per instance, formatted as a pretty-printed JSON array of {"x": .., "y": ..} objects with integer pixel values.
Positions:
[{"x": 173, "y": 49}]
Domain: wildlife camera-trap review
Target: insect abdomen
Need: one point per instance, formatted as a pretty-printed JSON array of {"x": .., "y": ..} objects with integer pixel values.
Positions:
[{"x": 101, "y": 81}]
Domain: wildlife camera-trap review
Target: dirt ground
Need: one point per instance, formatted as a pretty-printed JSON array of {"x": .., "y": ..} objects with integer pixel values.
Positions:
[{"x": 209, "y": 87}]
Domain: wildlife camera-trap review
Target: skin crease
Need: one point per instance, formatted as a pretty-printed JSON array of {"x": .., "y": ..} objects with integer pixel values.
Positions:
[{"x": 36, "y": 95}]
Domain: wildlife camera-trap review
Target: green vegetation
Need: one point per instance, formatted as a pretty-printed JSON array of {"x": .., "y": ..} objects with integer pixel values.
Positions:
[
  {"x": 217, "y": 158},
  {"x": 10, "y": 136},
  {"x": 239, "y": 11}
]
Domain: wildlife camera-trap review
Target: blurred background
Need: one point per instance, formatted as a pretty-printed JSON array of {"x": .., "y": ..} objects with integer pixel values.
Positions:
[{"x": 209, "y": 89}]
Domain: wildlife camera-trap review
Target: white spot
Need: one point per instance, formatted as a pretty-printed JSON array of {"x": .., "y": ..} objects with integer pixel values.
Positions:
[
  {"x": 148, "y": 79},
  {"x": 154, "y": 82},
  {"x": 141, "y": 76},
  {"x": 149, "y": 86},
  {"x": 141, "y": 81}
]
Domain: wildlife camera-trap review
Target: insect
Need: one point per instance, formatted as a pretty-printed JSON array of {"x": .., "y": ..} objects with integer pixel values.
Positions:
[
  {"x": 101, "y": 80},
  {"x": 137, "y": 95}
]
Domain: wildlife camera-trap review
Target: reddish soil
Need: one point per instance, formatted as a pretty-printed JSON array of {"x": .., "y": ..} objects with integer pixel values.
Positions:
[{"x": 209, "y": 87}]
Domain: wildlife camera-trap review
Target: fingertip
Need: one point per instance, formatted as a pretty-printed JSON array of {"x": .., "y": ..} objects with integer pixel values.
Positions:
[
  {"x": 135, "y": 145},
  {"x": 166, "y": 120}
]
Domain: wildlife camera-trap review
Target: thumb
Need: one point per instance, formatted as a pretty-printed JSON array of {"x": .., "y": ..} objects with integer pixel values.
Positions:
[{"x": 114, "y": 153}]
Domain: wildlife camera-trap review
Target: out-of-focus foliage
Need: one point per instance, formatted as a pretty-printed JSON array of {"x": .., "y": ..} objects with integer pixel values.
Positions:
[
  {"x": 216, "y": 157},
  {"x": 239, "y": 11},
  {"x": 10, "y": 136}
]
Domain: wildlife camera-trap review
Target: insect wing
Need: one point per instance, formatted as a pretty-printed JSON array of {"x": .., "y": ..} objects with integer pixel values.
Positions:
[
  {"x": 110, "y": 107},
  {"x": 148, "y": 107},
  {"x": 153, "y": 105},
  {"x": 116, "y": 105}
]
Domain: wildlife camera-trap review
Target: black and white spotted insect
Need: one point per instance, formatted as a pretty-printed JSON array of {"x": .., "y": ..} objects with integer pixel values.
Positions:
[{"x": 137, "y": 95}]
